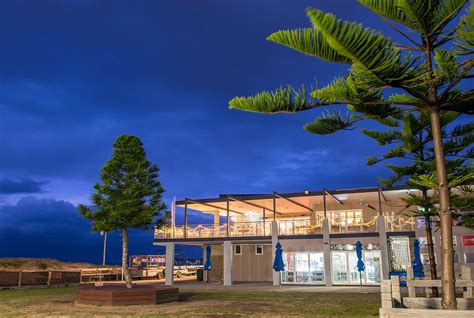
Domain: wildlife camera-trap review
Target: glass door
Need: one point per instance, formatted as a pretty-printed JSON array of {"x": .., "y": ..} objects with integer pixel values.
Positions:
[
  {"x": 302, "y": 267},
  {"x": 372, "y": 267},
  {"x": 339, "y": 268},
  {"x": 354, "y": 273},
  {"x": 316, "y": 267},
  {"x": 288, "y": 275}
]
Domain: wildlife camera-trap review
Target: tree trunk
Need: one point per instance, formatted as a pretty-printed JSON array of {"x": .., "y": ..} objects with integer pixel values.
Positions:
[
  {"x": 448, "y": 299},
  {"x": 126, "y": 273}
]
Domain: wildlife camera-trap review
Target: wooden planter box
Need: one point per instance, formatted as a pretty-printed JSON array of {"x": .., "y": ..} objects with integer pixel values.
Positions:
[{"x": 119, "y": 295}]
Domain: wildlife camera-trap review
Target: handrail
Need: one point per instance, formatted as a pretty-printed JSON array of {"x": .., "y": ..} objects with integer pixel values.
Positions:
[{"x": 437, "y": 283}]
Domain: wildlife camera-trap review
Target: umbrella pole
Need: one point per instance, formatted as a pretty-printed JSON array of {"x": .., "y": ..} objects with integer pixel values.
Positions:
[
  {"x": 207, "y": 279},
  {"x": 360, "y": 279}
]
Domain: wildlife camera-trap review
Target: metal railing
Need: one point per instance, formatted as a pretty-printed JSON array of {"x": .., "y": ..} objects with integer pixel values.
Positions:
[
  {"x": 395, "y": 223},
  {"x": 257, "y": 228},
  {"x": 361, "y": 226},
  {"x": 299, "y": 227},
  {"x": 399, "y": 223}
]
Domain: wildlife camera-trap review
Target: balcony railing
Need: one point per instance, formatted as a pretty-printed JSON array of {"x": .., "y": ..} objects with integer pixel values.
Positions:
[
  {"x": 396, "y": 223},
  {"x": 258, "y": 228},
  {"x": 299, "y": 227},
  {"x": 399, "y": 223},
  {"x": 362, "y": 226}
]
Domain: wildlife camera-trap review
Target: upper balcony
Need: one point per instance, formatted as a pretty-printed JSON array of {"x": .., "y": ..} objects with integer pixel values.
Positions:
[
  {"x": 285, "y": 228},
  {"x": 347, "y": 211}
]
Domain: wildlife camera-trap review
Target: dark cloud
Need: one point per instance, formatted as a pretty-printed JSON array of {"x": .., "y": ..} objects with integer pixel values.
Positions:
[
  {"x": 54, "y": 229},
  {"x": 23, "y": 186}
]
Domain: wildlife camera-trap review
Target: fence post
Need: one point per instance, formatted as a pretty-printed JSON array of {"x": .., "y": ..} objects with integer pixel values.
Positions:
[
  {"x": 19, "y": 279},
  {"x": 411, "y": 289},
  {"x": 395, "y": 283},
  {"x": 386, "y": 294},
  {"x": 49, "y": 279}
]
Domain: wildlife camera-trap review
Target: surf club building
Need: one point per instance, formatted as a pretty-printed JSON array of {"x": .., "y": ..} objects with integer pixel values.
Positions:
[{"x": 317, "y": 231}]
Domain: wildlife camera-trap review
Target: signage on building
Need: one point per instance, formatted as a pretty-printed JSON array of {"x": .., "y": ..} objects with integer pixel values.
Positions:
[
  {"x": 351, "y": 247},
  {"x": 468, "y": 240},
  {"x": 420, "y": 222},
  {"x": 424, "y": 241}
]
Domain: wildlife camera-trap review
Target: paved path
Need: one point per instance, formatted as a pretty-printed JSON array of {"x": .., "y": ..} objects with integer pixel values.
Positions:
[
  {"x": 192, "y": 284},
  {"x": 269, "y": 287}
]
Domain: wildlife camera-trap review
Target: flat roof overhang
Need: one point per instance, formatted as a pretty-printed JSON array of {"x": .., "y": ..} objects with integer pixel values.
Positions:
[{"x": 294, "y": 203}]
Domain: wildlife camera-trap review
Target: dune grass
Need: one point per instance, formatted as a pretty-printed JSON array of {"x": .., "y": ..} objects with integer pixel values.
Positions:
[{"x": 196, "y": 303}]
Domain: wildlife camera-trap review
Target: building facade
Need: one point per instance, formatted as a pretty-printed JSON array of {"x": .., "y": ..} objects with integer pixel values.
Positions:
[{"x": 317, "y": 230}]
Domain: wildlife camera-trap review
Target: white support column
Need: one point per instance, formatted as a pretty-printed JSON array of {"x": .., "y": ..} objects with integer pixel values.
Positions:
[
  {"x": 216, "y": 223},
  {"x": 276, "y": 275},
  {"x": 169, "y": 269},
  {"x": 327, "y": 253},
  {"x": 383, "y": 246},
  {"x": 227, "y": 263}
]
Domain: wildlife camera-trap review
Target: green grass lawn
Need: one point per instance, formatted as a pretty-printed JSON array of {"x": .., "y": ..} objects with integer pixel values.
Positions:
[{"x": 196, "y": 303}]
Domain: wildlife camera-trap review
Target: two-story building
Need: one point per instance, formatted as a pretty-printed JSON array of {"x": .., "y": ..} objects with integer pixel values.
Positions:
[{"x": 317, "y": 231}]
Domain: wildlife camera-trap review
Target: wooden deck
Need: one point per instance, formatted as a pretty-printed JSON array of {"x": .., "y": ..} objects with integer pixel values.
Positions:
[{"x": 113, "y": 295}]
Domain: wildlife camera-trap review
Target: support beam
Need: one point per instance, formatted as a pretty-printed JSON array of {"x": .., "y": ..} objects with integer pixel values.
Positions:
[
  {"x": 263, "y": 221},
  {"x": 383, "y": 240},
  {"x": 250, "y": 203},
  {"x": 211, "y": 205},
  {"x": 324, "y": 206},
  {"x": 185, "y": 218},
  {"x": 274, "y": 209},
  {"x": 169, "y": 265},
  {"x": 327, "y": 253},
  {"x": 380, "y": 201},
  {"x": 333, "y": 196},
  {"x": 276, "y": 275},
  {"x": 294, "y": 202},
  {"x": 228, "y": 217},
  {"x": 227, "y": 263},
  {"x": 383, "y": 195}
]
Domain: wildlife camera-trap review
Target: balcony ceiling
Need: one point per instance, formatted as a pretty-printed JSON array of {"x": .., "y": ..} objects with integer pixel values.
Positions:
[{"x": 301, "y": 205}]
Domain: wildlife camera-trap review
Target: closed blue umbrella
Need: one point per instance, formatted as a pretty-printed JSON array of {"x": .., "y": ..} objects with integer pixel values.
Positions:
[
  {"x": 417, "y": 264},
  {"x": 278, "y": 265},
  {"x": 208, "y": 265},
  {"x": 360, "y": 263}
]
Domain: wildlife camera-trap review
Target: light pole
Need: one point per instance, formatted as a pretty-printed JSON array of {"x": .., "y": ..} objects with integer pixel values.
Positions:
[{"x": 104, "y": 234}]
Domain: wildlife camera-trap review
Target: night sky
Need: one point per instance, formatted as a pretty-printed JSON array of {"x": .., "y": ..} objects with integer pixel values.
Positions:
[{"x": 75, "y": 74}]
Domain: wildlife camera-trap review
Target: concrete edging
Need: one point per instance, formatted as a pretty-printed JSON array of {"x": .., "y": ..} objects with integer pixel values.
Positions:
[{"x": 423, "y": 313}]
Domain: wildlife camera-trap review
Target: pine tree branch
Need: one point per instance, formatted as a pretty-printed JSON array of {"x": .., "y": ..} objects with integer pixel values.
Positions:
[
  {"x": 466, "y": 70},
  {"x": 399, "y": 31}
]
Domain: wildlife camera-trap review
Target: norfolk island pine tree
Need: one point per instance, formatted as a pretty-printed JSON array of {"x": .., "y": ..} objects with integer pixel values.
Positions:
[
  {"x": 424, "y": 75},
  {"x": 411, "y": 140},
  {"x": 128, "y": 196}
]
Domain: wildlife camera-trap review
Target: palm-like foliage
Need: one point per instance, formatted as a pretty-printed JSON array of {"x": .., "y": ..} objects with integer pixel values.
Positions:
[
  {"x": 413, "y": 145},
  {"x": 426, "y": 71},
  {"x": 461, "y": 191},
  {"x": 412, "y": 148}
]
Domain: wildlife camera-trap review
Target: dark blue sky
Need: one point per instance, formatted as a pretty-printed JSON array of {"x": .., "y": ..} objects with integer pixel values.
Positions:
[{"x": 75, "y": 74}]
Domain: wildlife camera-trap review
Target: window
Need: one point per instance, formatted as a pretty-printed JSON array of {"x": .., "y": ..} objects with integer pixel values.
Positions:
[
  {"x": 303, "y": 268},
  {"x": 259, "y": 249},
  {"x": 237, "y": 249},
  {"x": 469, "y": 258},
  {"x": 400, "y": 253}
]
